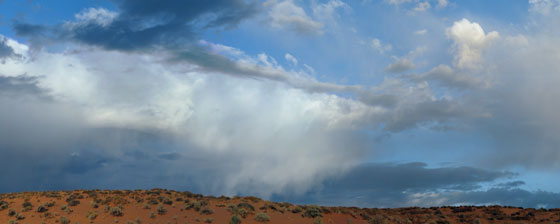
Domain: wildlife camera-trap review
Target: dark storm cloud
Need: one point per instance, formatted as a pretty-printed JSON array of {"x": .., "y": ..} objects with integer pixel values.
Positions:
[
  {"x": 21, "y": 86},
  {"x": 416, "y": 177},
  {"x": 146, "y": 24},
  {"x": 414, "y": 184}
]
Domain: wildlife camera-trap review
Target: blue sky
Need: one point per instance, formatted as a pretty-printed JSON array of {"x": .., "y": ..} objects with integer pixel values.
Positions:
[{"x": 386, "y": 103}]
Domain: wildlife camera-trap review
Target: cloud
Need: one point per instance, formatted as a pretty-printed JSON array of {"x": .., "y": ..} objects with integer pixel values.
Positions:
[
  {"x": 448, "y": 77},
  {"x": 380, "y": 47},
  {"x": 5, "y": 50},
  {"x": 442, "y": 3},
  {"x": 400, "y": 65},
  {"x": 421, "y": 32},
  {"x": 397, "y": 2},
  {"x": 469, "y": 42},
  {"x": 287, "y": 15},
  {"x": 119, "y": 113},
  {"x": 544, "y": 7},
  {"x": 422, "y": 6},
  {"x": 416, "y": 184},
  {"x": 291, "y": 59},
  {"x": 142, "y": 25}
]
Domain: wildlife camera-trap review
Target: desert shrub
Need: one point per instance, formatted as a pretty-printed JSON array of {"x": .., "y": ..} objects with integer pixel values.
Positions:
[
  {"x": 194, "y": 205},
  {"x": 12, "y": 222},
  {"x": 153, "y": 201},
  {"x": 378, "y": 220},
  {"x": 64, "y": 220},
  {"x": 116, "y": 211},
  {"x": 19, "y": 216},
  {"x": 161, "y": 210},
  {"x": 297, "y": 210},
  {"x": 242, "y": 212},
  {"x": 312, "y": 211},
  {"x": 4, "y": 205},
  {"x": 91, "y": 215},
  {"x": 152, "y": 215},
  {"x": 41, "y": 208},
  {"x": 146, "y": 206},
  {"x": 11, "y": 212},
  {"x": 206, "y": 210},
  {"x": 246, "y": 205},
  {"x": 50, "y": 204},
  {"x": 262, "y": 217},
  {"x": 208, "y": 220},
  {"x": 73, "y": 202},
  {"x": 26, "y": 205},
  {"x": 235, "y": 219},
  {"x": 167, "y": 201},
  {"x": 318, "y": 220},
  {"x": 94, "y": 204}
]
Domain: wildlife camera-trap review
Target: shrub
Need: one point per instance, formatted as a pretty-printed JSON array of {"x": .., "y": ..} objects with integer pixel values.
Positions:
[
  {"x": 312, "y": 211},
  {"x": 167, "y": 201},
  {"x": 91, "y": 215},
  {"x": 297, "y": 210},
  {"x": 262, "y": 217},
  {"x": 161, "y": 210},
  {"x": 41, "y": 208},
  {"x": 246, "y": 205},
  {"x": 11, "y": 212},
  {"x": 94, "y": 204},
  {"x": 235, "y": 219},
  {"x": 27, "y": 205},
  {"x": 73, "y": 202},
  {"x": 116, "y": 211},
  {"x": 152, "y": 215},
  {"x": 19, "y": 216},
  {"x": 64, "y": 220},
  {"x": 206, "y": 210},
  {"x": 208, "y": 220},
  {"x": 317, "y": 220},
  {"x": 242, "y": 212},
  {"x": 4, "y": 205}
]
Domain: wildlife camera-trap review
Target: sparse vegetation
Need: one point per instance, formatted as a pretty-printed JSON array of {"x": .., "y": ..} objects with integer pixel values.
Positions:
[
  {"x": 235, "y": 219},
  {"x": 161, "y": 209},
  {"x": 64, "y": 220},
  {"x": 262, "y": 217},
  {"x": 116, "y": 211}
]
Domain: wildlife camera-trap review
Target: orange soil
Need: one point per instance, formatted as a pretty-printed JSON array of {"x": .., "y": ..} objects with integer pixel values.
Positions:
[{"x": 133, "y": 208}]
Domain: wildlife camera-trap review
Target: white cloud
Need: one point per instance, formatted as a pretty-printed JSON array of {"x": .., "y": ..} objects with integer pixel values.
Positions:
[
  {"x": 442, "y": 3},
  {"x": 545, "y": 7},
  {"x": 377, "y": 45},
  {"x": 421, "y": 32},
  {"x": 400, "y": 65},
  {"x": 469, "y": 42},
  {"x": 287, "y": 15},
  {"x": 290, "y": 58},
  {"x": 397, "y": 2},
  {"x": 422, "y": 6},
  {"x": 327, "y": 11},
  {"x": 99, "y": 16}
]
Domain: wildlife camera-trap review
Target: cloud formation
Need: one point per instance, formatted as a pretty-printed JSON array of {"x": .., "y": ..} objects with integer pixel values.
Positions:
[{"x": 469, "y": 40}]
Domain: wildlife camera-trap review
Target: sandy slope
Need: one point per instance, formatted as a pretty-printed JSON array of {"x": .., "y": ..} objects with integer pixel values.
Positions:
[{"x": 163, "y": 206}]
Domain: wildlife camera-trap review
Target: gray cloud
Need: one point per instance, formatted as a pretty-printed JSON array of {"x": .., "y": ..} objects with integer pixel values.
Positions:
[
  {"x": 400, "y": 65},
  {"x": 414, "y": 184},
  {"x": 447, "y": 77},
  {"x": 5, "y": 50}
]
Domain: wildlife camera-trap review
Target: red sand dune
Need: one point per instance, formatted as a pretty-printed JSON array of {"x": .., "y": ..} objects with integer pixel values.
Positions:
[{"x": 164, "y": 206}]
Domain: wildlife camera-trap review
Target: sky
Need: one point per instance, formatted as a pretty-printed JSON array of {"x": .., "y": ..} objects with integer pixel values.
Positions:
[{"x": 369, "y": 103}]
